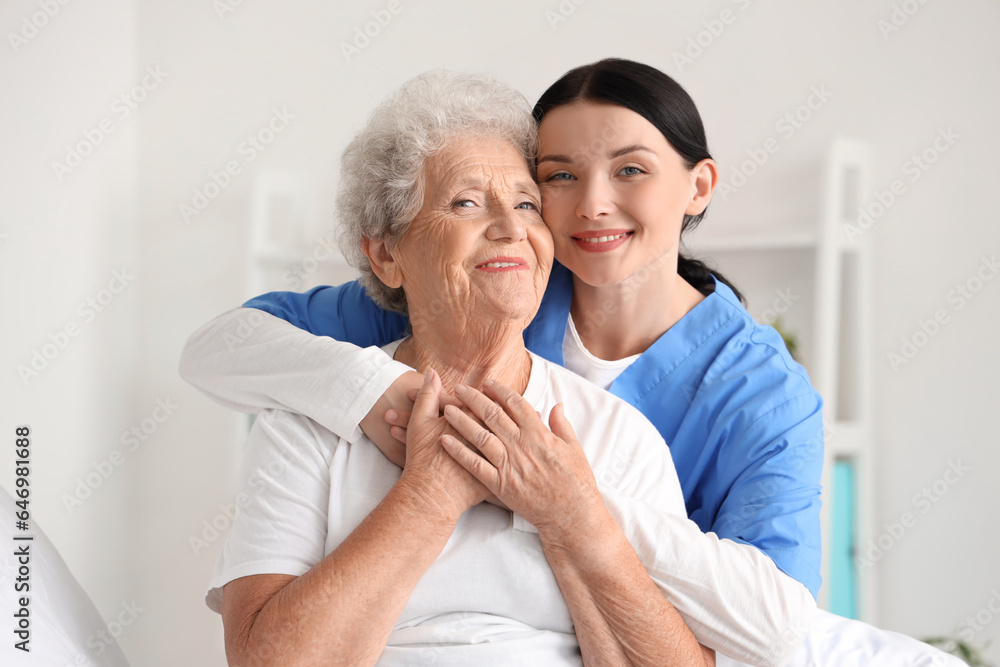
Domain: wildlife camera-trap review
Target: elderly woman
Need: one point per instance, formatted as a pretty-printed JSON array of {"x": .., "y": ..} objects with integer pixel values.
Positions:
[{"x": 340, "y": 556}]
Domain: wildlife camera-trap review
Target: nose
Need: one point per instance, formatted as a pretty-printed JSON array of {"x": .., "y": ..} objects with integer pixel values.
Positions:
[
  {"x": 594, "y": 199},
  {"x": 507, "y": 226}
]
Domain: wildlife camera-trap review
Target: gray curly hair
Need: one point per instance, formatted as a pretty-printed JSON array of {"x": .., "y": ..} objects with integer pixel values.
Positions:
[{"x": 381, "y": 173}]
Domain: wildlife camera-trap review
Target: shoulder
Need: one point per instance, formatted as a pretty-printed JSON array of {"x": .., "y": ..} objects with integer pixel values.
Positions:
[
  {"x": 279, "y": 434},
  {"x": 752, "y": 363}
]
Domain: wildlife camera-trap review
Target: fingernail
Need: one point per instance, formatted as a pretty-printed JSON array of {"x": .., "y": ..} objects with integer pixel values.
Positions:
[
  {"x": 460, "y": 389},
  {"x": 428, "y": 375},
  {"x": 391, "y": 415},
  {"x": 487, "y": 383}
]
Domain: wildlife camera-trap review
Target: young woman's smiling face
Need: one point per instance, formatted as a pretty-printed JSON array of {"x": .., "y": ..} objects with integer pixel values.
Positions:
[{"x": 615, "y": 192}]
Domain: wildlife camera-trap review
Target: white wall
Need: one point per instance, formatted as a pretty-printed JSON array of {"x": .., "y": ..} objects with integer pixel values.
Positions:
[
  {"x": 224, "y": 77},
  {"x": 62, "y": 237}
]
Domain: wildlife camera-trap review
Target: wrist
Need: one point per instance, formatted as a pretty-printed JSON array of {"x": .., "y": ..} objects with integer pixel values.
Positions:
[
  {"x": 427, "y": 500},
  {"x": 588, "y": 530}
]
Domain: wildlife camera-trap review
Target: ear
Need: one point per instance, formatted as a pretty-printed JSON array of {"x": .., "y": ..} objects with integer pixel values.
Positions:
[
  {"x": 383, "y": 263},
  {"x": 706, "y": 177}
]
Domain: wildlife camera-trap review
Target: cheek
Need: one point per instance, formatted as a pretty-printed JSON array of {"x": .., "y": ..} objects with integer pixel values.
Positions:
[
  {"x": 656, "y": 207},
  {"x": 555, "y": 203}
]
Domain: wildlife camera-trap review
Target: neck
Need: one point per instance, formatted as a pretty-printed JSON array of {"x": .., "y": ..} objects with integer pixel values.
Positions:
[
  {"x": 620, "y": 320},
  {"x": 468, "y": 354}
]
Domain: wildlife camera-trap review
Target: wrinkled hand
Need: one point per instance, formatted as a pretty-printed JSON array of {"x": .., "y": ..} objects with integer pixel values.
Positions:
[
  {"x": 541, "y": 474},
  {"x": 385, "y": 424},
  {"x": 428, "y": 467}
]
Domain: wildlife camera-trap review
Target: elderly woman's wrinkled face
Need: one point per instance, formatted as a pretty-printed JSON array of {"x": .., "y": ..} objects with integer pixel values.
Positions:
[{"x": 478, "y": 246}]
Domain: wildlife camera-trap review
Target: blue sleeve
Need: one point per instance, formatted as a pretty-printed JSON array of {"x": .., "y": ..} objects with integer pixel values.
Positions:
[
  {"x": 774, "y": 501},
  {"x": 345, "y": 313}
]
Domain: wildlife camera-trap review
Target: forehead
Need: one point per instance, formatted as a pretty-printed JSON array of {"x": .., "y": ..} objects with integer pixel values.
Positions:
[
  {"x": 587, "y": 122},
  {"x": 478, "y": 161}
]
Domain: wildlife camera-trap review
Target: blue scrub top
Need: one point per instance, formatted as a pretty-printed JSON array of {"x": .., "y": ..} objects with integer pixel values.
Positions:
[{"x": 742, "y": 421}]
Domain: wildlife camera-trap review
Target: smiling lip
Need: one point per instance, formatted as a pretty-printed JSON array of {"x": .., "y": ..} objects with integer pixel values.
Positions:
[
  {"x": 503, "y": 264},
  {"x": 601, "y": 240}
]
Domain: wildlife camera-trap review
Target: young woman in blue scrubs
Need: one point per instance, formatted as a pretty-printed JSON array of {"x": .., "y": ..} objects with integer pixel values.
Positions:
[{"x": 624, "y": 171}]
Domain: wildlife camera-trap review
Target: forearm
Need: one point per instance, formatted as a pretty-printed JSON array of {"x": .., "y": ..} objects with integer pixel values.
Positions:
[
  {"x": 732, "y": 595},
  {"x": 249, "y": 360},
  {"x": 343, "y": 610},
  {"x": 620, "y": 616}
]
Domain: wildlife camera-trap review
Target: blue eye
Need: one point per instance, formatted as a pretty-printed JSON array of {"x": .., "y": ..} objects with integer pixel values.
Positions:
[
  {"x": 560, "y": 176},
  {"x": 630, "y": 171},
  {"x": 531, "y": 206},
  {"x": 465, "y": 203}
]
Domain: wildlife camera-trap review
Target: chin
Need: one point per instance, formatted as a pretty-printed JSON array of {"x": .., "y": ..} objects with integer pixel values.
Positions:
[{"x": 596, "y": 276}]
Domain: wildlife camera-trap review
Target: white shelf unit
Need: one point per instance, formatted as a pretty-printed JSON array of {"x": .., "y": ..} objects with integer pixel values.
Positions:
[
  {"x": 819, "y": 282},
  {"x": 285, "y": 252},
  {"x": 284, "y": 241}
]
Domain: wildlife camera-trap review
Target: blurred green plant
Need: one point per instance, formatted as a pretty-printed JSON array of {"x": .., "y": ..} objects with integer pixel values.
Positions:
[
  {"x": 791, "y": 340},
  {"x": 956, "y": 647}
]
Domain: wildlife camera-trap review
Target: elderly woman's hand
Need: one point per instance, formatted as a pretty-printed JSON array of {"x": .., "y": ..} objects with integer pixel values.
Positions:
[
  {"x": 428, "y": 467},
  {"x": 386, "y": 421},
  {"x": 541, "y": 474}
]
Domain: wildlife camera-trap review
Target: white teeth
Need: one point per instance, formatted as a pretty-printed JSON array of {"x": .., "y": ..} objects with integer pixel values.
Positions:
[
  {"x": 605, "y": 239},
  {"x": 500, "y": 265}
]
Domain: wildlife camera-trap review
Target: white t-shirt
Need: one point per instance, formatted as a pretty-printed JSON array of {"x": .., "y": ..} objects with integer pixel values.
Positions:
[
  {"x": 491, "y": 590},
  {"x": 578, "y": 359},
  {"x": 732, "y": 596}
]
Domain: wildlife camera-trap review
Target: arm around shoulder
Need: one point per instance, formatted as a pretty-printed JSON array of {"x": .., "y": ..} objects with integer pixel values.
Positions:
[{"x": 249, "y": 360}]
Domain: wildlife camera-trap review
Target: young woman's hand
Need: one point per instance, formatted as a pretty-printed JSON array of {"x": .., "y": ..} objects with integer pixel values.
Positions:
[
  {"x": 541, "y": 474},
  {"x": 397, "y": 399}
]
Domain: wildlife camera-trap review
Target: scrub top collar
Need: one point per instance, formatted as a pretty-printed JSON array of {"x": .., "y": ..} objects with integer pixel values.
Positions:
[{"x": 678, "y": 343}]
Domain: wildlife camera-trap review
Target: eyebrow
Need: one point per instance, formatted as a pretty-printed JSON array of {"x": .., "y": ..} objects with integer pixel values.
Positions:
[
  {"x": 618, "y": 152},
  {"x": 477, "y": 183}
]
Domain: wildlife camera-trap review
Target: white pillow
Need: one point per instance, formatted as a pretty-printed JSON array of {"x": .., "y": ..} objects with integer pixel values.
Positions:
[
  {"x": 835, "y": 641},
  {"x": 63, "y": 621}
]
